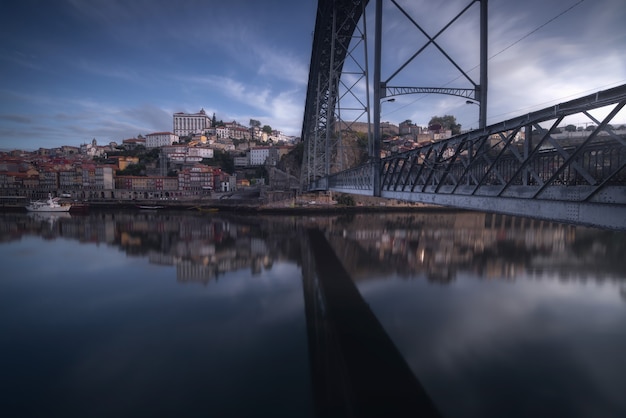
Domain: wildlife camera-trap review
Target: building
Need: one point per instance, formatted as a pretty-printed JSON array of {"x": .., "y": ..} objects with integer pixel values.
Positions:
[
  {"x": 133, "y": 143},
  {"x": 258, "y": 155},
  {"x": 186, "y": 124},
  {"x": 409, "y": 128},
  {"x": 241, "y": 161},
  {"x": 183, "y": 154},
  {"x": 222, "y": 132},
  {"x": 147, "y": 184},
  {"x": 160, "y": 139},
  {"x": 197, "y": 178}
]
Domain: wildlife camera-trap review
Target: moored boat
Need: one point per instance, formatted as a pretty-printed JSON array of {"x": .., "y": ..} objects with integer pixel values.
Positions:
[
  {"x": 78, "y": 206},
  {"x": 50, "y": 205},
  {"x": 150, "y": 207}
]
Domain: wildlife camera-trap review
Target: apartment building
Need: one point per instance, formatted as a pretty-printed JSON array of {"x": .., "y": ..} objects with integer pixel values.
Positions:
[
  {"x": 198, "y": 177},
  {"x": 140, "y": 183},
  {"x": 160, "y": 139},
  {"x": 258, "y": 155}
]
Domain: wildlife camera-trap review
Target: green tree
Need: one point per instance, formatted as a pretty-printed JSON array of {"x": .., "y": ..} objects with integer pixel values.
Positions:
[
  {"x": 133, "y": 170},
  {"x": 221, "y": 159},
  {"x": 345, "y": 199},
  {"x": 446, "y": 122},
  {"x": 267, "y": 129},
  {"x": 570, "y": 128}
]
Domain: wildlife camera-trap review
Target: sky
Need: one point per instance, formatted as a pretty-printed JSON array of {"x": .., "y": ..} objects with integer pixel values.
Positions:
[{"x": 74, "y": 70}]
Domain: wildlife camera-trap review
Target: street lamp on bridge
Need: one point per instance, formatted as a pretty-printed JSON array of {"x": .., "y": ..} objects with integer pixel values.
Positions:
[
  {"x": 481, "y": 114},
  {"x": 382, "y": 126},
  {"x": 377, "y": 133}
]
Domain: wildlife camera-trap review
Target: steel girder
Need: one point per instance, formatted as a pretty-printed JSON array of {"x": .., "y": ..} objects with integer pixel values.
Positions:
[
  {"x": 452, "y": 91},
  {"x": 477, "y": 93},
  {"x": 334, "y": 28},
  {"x": 521, "y": 166}
]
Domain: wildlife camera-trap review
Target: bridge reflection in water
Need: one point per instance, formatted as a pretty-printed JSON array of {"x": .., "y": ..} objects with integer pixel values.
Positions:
[
  {"x": 495, "y": 315},
  {"x": 355, "y": 367}
]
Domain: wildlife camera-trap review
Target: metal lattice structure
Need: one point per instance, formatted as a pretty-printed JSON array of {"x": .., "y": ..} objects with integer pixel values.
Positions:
[
  {"x": 337, "y": 97},
  {"x": 521, "y": 166},
  {"x": 334, "y": 40}
]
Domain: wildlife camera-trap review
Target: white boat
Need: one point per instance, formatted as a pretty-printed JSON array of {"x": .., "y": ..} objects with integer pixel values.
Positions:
[{"x": 50, "y": 205}]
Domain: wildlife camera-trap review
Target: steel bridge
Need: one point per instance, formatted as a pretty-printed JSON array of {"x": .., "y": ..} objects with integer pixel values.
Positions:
[{"x": 524, "y": 166}]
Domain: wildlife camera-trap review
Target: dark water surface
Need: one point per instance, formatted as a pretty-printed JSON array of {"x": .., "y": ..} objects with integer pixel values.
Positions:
[{"x": 128, "y": 314}]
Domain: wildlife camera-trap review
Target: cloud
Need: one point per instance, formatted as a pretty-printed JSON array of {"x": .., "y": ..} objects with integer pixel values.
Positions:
[
  {"x": 16, "y": 118},
  {"x": 283, "y": 66}
]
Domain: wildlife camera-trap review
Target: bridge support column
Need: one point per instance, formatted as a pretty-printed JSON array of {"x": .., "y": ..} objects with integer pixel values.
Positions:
[
  {"x": 482, "y": 93},
  {"x": 378, "y": 89}
]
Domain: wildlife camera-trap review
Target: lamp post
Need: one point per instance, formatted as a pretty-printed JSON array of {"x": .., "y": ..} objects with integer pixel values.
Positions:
[
  {"x": 375, "y": 157},
  {"x": 481, "y": 113},
  {"x": 481, "y": 125},
  {"x": 382, "y": 127}
]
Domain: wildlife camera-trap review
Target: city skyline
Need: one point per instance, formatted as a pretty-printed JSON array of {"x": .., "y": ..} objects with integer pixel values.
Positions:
[{"x": 111, "y": 70}]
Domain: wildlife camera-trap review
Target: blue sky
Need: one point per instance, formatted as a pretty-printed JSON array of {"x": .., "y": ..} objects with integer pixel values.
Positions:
[{"x": 73, "y": 70}]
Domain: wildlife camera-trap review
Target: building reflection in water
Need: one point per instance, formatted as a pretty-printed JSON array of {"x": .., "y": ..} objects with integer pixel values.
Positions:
[
  {"x": 434, "y": 245},
  {"x": 438, "y": 246}
]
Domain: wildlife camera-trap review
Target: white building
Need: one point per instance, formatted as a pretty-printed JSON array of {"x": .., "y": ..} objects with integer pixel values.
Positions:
[
  {"x": 186, "y": 124},
  {"x": 160, "y": 139},
  {"x": 258, "y": 155},
  {"x": 186, "y": 154},
  {"x": 222, "y": 132},
  {"x": 200, "y": 152}
]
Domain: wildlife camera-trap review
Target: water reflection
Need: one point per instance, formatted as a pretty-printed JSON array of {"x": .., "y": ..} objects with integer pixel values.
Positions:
[
  {"x": 494, "y": 315},
  {"x": 436, "y": 245},
  {"x": 441, "y": 245}
]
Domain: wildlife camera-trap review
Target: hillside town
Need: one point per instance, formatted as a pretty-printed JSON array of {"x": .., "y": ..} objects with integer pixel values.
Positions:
[{"x": 200, "y": 156}]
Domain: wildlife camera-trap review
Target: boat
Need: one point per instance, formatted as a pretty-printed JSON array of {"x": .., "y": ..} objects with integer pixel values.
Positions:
[
  {"x": 50, "y": 205},
  {"x": 150, "y": 207},
  {"x": 78, "y": 206}
]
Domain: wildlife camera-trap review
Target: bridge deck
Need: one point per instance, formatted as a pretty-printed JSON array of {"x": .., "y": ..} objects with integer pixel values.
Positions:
[{"x": 519, "y": 167}]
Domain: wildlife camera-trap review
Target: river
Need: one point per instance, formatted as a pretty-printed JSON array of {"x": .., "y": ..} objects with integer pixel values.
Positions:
[{"x": 178, "y": 313}]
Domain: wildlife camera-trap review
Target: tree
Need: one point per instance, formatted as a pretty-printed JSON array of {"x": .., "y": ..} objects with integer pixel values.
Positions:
[
  {"x": 221, "y": 159},
  {"x": 345, "y": 199},
  {"x": 446, "y": 122},
  {"x": 133, "y": 170},
  {"x": 570, "y": 128},
  {"x": 267, "y": 129}
]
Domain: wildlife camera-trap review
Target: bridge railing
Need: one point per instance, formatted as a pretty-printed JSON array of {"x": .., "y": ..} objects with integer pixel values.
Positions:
[{"x": 525, "y": 158}]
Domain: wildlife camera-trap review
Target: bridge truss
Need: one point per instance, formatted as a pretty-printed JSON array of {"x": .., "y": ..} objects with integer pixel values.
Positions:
[
  {"x": 338, "y": 95},
  {"x": 337, "y": 37},
  {"x": 523, "y": 166}
]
